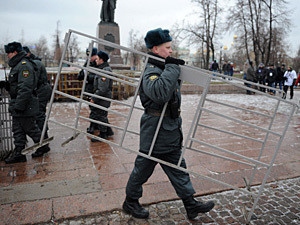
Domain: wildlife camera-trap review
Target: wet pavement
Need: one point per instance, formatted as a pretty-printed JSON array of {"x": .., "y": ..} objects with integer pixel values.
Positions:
[{"x": 84, "y": 182}]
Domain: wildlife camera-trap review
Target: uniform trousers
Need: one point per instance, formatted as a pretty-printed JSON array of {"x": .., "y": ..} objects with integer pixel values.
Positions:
[
  {"x": 22, "y": 126},
  {"x": 144, "y": 168},
  {"x": 41, "y": 117}
]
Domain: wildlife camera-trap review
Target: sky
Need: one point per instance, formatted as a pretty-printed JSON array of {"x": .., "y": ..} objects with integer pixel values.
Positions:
[{"x": 31, "y": 19}]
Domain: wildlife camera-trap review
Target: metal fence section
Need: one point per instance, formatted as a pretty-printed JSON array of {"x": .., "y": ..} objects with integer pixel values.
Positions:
[
  {"x": 267, "y": 136},
  {"x": 6, "y": 137}
]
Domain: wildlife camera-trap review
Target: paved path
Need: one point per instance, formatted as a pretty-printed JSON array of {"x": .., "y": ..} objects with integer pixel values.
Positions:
[
  {"x": 86, "y": 178},
  {"x": 280, "y": 205}
]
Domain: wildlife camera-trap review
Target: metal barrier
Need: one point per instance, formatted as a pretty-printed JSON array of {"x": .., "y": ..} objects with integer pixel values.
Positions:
[
  {"x": 193, "y": 141},
  {"x": 6, "y": 137},
  {"x": 69, "y": 84}
]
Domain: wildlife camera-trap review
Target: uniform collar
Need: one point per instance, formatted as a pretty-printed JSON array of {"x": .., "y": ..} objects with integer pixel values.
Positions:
[
  {"x": 16, "y": 59},
  {"x": 155, "y": 62}
]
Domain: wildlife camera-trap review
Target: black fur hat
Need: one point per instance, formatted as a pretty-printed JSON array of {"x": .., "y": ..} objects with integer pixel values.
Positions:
[
  {"x": 157, "y": 37},
  {"x": 103, "y": 55},
  {"x": 26, "y": 49},
  {"x": 94, "y": 51},
  {"x": 13, "y": 46}
]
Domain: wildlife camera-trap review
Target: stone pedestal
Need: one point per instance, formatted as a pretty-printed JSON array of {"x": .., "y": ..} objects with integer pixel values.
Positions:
[{"x": 110, "y": 31}]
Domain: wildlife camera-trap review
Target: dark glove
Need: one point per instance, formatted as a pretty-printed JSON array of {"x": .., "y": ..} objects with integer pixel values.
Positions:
[
  {"x": 174, "y": 61},
  {"x": 19, "y": 111},
  {"x": 4, "y": 84}
]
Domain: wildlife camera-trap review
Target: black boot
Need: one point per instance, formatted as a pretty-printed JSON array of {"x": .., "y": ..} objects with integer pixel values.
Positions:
[
  {"x": 41, "y": 151},
  {"x": 101, "y": 135},
  {"x": 109, "y": 132},
  {"x": 16, "y": 156},
  {"x": 133, "y": 207},
  {"x": 193, "y": 207},
  {"x": 91, "y": 129}
]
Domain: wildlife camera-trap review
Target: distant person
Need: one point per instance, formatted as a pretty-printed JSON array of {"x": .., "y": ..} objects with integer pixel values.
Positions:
[
  {"x": 215, "y": 67},
  {"x": 44, "y": 92},
  {"x": 160, "y": 85},
  {"x": 271, "y": 78},
  {"x": 226, "y": 68},
  {"x": 102, "y": 87},
  {"x": 261, "y": 74},
  {"x": 280, "y": 73},
  {"x": 250, "y": 76},
  {"x": 297, "y": 81},
  {"x": 290, "y": 77},
  {"x": 231, "y": 69},
  {"x": 89, "y": 84},
  {"x": 23, "y": 105}
]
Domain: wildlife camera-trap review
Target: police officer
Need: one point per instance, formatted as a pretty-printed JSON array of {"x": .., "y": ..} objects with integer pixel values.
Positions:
[
  {"x": 102, "y": 87},
  {"x": 89, "y": 85},
  {"x": 44, "y": 92},
  {"x": 160, "y": 85},
  {"x": 261, "y": 74},
  {"x": 24, "y": 104}
]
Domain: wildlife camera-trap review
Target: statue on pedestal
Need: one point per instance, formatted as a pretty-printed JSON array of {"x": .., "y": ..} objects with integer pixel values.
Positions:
[{"x": 108, "y": 11}]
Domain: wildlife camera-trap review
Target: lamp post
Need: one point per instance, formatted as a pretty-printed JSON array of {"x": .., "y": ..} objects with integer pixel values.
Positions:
[{"x": 45, "y": 58}]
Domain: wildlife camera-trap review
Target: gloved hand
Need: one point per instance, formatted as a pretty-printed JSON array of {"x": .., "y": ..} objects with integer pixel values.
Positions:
[
  {"x": 174, "y": 61},
  {"x": 18, "y": 111}
]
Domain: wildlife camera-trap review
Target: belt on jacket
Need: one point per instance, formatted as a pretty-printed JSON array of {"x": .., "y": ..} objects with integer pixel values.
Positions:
[{"x": 157, "y": 112}]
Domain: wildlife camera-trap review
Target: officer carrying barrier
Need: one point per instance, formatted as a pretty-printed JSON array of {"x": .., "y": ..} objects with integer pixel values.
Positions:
[{"x": 266, "y": 137}]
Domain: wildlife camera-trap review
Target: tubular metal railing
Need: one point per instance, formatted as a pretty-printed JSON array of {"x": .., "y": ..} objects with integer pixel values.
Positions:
[{"x": 201, "y": 78}]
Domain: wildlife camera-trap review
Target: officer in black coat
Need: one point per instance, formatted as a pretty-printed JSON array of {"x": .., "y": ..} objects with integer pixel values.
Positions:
[
  {"x": 261, "y": 74},
  {"x": 24, "y": 104},
  {"x": 44, "y": 92},
  {"x": 89, "y": 85},
  {"x": 102, "y": 87},
  {"x": 271, "y": 78},
  {"x": 160, "y": 85}
]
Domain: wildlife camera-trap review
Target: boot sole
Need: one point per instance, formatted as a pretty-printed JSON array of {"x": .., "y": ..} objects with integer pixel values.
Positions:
[
  {"x": 17, "y": 161},
  {"x": 127, "y": 210},
  {"x": 195, "y": 214}
]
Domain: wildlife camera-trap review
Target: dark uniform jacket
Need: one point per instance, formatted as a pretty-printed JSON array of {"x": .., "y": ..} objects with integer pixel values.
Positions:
[
  {"x": 250, "y": 75},
  {"x": 261, "y": 74},
  {"x": 22, "y": 86},
  {"x": 271, "y": 75},
  {"x": 103, "y": 86},
  {"x": 89, "y": 86},
  {"x": 160, "y": 85},
  {"x": 44, "y": 89}
]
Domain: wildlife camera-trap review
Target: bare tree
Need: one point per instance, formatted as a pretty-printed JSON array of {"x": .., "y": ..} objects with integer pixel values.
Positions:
[
  {"x": 257, "y": 22},
  {"x": 40, "y": 47},
  {"x": 296, "y": 61},
  {"x": 205, "y": 31},
  {"x": 135, "y": 42},
  {"x": 73, "y": 49}
]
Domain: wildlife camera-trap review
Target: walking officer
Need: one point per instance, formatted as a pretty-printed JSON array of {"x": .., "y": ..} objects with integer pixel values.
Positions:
[
  {"x": 44, "y": 92},
  {"x": 102, "y": 87},
  {"x": 160, "y": 85},
  {"x": 89, "y": 85},
  {"x": 24, "y": 104}
]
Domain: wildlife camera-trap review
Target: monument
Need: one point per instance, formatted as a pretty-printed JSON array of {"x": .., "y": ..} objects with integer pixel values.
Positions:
[{"x": 109, "y": 30}]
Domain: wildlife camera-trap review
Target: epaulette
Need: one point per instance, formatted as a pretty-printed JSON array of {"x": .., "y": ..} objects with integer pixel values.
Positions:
[{"x": 23, "y": 62}]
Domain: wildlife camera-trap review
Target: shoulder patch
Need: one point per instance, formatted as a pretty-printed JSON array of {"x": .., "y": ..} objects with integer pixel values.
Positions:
[
  {"x": 153, "y": 77},
  {"x": 25, "y": 73},
  {"x": 23, "y": 62}
]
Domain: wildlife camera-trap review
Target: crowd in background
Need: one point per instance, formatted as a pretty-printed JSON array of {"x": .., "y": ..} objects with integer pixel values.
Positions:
[{"x": 275, "y": 77}]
